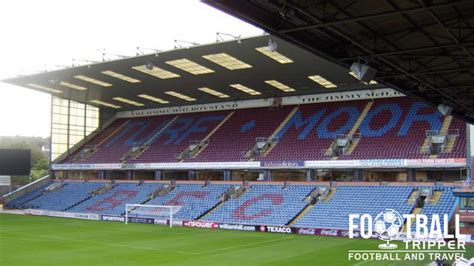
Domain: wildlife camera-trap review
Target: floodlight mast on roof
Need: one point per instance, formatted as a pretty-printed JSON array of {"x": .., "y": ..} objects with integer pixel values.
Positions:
[
  {"x": 104, "y": 55},
  {"x": 74, "y": 61},
  {"x": 48, "y": 68},
  {"x": 220, "y": 37},
  {"x": 178, "y": 44},
  {"x": 111, "y": 54},
  {"x": 140, "y": 51}
]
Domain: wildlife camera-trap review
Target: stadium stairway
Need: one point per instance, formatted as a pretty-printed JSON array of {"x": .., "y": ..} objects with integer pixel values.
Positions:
[
  {"x": 300, "y": 214},
  {"x": 411, "y": 199},
  {"x": 425, "y": 145},
  {"x": 204, "y": 141},
  {"x": 113, "y": 133},
  {"x": 331, "y": 193},
  {"x": 77, "y": 203},
  {"x": 104, "y": 139},
  {"x": 412, "y": 219},
  {"x": 167, "y": 146},
  {"x": 210, "y": 210},
  {"x": 263, "y": 204},
  {"x": 334, "y": 213},
  {"x": 450, "y": 143},
  {"x": 274, "y": 134},
  {"x": 403, "y": 139},
  {"x": 439, "y": 201},
  {"x": 436, "y": 196},
  {"x": 355, "y": 127},
  {"x": 312, "y": 199},
  {"x": 445, "y": 126},
  {"x": 157, "y": 193},
  {"x": 361, "y": 118},
  {"x": 442, "y": 201},
  {"x": 444, "y": 132},
  {"x": 149, "y": 141},
  {"x": 238, "y": 135},
  {"x": 231, "y": 193}
]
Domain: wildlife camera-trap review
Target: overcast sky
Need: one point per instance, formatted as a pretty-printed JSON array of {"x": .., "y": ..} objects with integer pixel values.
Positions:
[{"x": 39, "y": 35}]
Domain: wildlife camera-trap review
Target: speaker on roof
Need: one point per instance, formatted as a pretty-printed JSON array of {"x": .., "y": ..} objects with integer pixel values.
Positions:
[
  {"x": 363, "y": 72},
  {"x": 149, "y": 65},
  {"x": 444, "y": 109}
]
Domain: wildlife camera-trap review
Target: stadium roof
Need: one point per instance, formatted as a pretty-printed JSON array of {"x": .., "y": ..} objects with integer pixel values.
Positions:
[
  {"x": 225, "y": 71},
  {"x": 423, "y": 48}
]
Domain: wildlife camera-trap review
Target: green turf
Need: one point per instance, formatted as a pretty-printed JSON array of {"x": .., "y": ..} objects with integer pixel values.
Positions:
[{"x": 30, "y": 240}]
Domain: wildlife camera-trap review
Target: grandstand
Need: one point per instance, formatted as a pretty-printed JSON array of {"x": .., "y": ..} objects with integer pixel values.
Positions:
[
  {"x": 272, "y": 204},
  {"x": 244, "y": 135},
  {"x": 385, "y": 129},
  {"x": 143, "y": 156}
]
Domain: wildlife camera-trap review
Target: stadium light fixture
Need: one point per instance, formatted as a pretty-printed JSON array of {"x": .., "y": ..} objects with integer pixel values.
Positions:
[
  {"x": 105, "y": 104},
  {"x": 127, "y": 101},
  {"x": 41, "y": 87},
  {"x": 226, "y": 61},
  {"x": 154, "y": 99},
  {"x": 274, "y": 55},
  {"x": 156, "y": 72},
  {"x": 180, "y": 96},
  {"x": 245, "y": 89},
  {"x": 213, "y": 92},
  {"x": 120, "y": 76},
  {"x": 94, "y": 81},
  {"x": 72, "y": 86},
  {"x": 372, "y": 82},
  {"x": 322, "y": 81},
  {"x": 444, "y": 109},
  {"x": 362, "y": 71},
  {"x": 190, "y": 66},
  {"x": 279, "y": 85}
]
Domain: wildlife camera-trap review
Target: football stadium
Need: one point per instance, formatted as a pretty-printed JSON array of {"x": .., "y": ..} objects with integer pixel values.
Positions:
[{"x": 341, "y": 136}]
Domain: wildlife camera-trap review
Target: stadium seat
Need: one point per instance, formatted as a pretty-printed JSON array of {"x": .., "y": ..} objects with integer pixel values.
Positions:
[
  {"x": 263, "y": 205},
  {"x": 393, "y": 128}
]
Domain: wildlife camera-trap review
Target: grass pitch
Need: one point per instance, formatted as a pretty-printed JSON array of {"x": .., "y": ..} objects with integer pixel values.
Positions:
[{"x": 32, "y": 240}]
